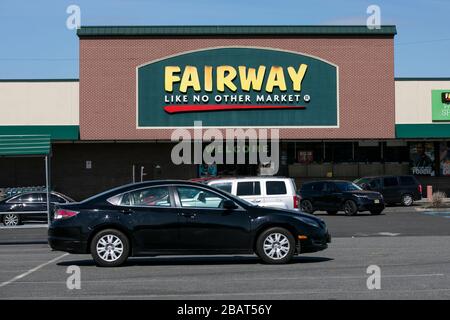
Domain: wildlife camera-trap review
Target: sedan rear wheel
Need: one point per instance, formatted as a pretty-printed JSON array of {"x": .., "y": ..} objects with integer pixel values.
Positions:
[
  {"x": 11, "y": 220},
  {"x": 350, "y": 208},
  {"x": 275, "y": 246},
  {"x": 110, "y": 248}
]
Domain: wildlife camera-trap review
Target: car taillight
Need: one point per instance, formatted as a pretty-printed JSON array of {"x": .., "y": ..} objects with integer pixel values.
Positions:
[
  {"x": 64, "y": 214},
  {"x": 296, "y": 202},
  {"x": 420, "y": 188}
]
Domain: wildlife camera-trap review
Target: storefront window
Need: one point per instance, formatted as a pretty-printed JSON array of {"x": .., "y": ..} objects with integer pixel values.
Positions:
[
  {"x": 207, "y": 170},
  {"x": 396, "y": 154},
  {"x": 342, "y": 152},
  {"x": 444, "y": 158},
  {"x": 305, "y": 156},
  {"x": 368, "y": 154},
  {"x": 339, "y": 152},
  {"x": 422, "y": 158},
  {"x": 305, "y": 152}
]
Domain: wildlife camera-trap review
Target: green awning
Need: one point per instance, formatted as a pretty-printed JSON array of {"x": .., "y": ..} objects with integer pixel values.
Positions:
[
  {"x": 56, "y": 132},
  {"x": 422, "y": 130},
  {"x": 17, "y": 145}
]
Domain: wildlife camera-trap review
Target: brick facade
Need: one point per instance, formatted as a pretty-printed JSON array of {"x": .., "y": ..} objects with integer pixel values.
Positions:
[{"x": 366, "y": 82}]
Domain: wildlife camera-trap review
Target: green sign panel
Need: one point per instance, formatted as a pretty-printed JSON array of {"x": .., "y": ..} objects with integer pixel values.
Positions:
[
  {"x": 238, "y": 87},
  {"x": 440, "y": 102}
]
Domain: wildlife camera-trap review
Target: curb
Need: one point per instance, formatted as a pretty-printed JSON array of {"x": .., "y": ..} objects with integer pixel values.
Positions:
[{"x": 433, "y": 209}]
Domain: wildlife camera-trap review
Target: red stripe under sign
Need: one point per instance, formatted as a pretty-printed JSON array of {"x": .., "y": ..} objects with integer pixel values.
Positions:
[{"x": 223, "y": 107}]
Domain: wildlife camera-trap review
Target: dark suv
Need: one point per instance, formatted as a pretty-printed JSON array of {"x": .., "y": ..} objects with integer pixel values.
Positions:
[
  {"x": 395, "y": 189},
  {"x": 335, "y": 195}
]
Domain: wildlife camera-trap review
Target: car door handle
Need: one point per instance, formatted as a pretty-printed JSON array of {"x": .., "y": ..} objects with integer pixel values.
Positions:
[
  {"x": 257, "y": 201},
  {"x": 188, "y": 215},
  {"x": 126, "y": 211}
]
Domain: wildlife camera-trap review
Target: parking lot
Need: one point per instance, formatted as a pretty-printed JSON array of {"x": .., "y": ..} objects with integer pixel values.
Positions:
[{"x": 410, "y": 247}]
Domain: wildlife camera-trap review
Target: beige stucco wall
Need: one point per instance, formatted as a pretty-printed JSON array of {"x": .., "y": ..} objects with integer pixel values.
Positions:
[
  {"x": 413, "y": 100},
  {"x": 39, "y": 103},
  {"x": 57, "y": 103}
]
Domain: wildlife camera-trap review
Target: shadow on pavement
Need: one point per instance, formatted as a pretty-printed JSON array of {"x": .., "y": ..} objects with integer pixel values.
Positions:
[
  {"x": 4, "y": 243},
  {"x": 341, "y": 214},
  {"x": 175, "y": 261}
]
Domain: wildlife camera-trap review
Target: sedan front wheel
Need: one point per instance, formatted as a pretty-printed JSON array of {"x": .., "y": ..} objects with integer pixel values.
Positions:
[{"x": 275, "y": 246}]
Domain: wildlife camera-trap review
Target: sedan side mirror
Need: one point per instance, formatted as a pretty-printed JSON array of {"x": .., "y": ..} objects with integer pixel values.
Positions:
[
  {"x": 202, "y": 197},
  {"x": 229, "y": 205}
]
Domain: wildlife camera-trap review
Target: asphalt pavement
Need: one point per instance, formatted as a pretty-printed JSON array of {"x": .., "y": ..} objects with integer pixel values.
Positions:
[
  {"x": 411, "y": 268},
  {"x": 410, "y": 248}
]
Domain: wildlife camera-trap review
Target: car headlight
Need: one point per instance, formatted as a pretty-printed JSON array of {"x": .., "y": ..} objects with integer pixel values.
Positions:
[{"x": 310, "y": 222}]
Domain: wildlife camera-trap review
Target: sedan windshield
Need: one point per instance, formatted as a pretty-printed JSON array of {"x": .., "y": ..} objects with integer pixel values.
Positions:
[{"x": 347, "y": 186}]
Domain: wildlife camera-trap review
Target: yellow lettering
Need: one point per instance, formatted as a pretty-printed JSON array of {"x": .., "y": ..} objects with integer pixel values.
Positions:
[
  {"x": 276, "y": 79},
  {"x": 250, "y": 80},
  {"x": 208, "y": 79},
  {"x": 170, "y": 78},
  {"x": 297, "y": 76},
  {"x": 190, "y": 79},
  {"x": 226, "y": 79}
]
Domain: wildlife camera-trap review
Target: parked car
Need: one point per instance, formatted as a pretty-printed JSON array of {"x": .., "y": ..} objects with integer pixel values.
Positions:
[
  {"x": 9, "y": 192},
  {"x": 29, "y": 206},
  {"x": 181, "y": 217},
  {"x": 336, "y": 195},
  {"x": 274, "y": 192},
  {"x": 395, "y": 189}
]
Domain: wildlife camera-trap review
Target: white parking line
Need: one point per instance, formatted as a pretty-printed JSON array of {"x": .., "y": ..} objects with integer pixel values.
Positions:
[
  {"x": 390, "y": 234},
  {"x": 385, "y": 234},
  {"x": 23, "y": 275}
]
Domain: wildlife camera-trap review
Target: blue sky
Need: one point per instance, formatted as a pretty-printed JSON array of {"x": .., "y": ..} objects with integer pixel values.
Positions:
[{"x": 35, "y": 42}]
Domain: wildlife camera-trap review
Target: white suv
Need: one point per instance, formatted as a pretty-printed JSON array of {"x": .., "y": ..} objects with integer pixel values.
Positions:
[{"x": 275, "y": 192}]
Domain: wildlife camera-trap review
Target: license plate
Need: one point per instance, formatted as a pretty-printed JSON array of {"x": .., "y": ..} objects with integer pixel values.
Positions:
[{"x": 376, "y": 201}]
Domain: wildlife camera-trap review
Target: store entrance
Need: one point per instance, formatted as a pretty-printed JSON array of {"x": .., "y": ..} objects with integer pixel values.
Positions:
[
  {"x": 144, "y": 171},
  {"x": 248, "y": 153},
  {"x": 227, "y": 170}
]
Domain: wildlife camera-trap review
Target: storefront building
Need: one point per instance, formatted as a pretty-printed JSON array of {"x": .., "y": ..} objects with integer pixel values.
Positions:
[
  {"x": 422, "y": 113},
  {"x": 329, "y": 90}
]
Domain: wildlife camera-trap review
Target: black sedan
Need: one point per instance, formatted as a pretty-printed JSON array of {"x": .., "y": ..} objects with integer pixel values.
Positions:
[
  {"x": 180, "y": 217},
  {"x": 29, "y": 206},
  {"x": 334, "y": 195}
]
